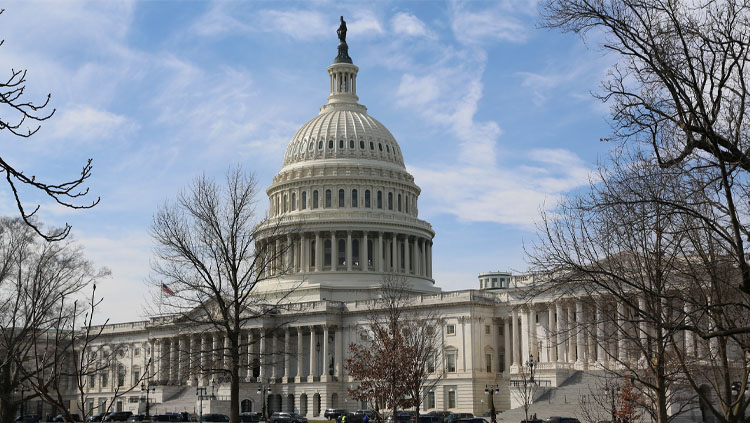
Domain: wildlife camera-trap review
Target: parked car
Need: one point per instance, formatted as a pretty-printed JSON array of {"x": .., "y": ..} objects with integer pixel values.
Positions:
[
  {"x": 118, "y": 416},
  {"x": 183, "y": 416},
  {"x": 137, "y": 418},
  {"x": 250, "y": 417},
  {"x": 532, "y": 421},
  {"x": 426, "y": 418},
  {"x": 287, "y": 418},
  {"x": 558, "y": 419},
  {"x": 471, "y": 420},
  {"x": 442, "y": 415},
  {"x": 29, "y": 418},
  {"x": 61, "y": 418},
  {"x": 166, "y": 418},
  {"x": 454, "y": 417},
  {"x": 97, "y": 417},
  {"x": 215, "y": 418},
  {"x": 351, "y": 418},
  {"x": 334, "y": 413}
]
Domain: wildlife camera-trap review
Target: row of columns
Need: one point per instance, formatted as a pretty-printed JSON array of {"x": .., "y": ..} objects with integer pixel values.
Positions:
[
  {"x": 585, "y": 333},
  {"x": 191, "y": 358},
  {"x": 378, "y": 251}
]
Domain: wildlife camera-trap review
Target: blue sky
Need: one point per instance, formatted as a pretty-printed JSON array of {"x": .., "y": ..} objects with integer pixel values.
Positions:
[{"x": 494, "y": 115}]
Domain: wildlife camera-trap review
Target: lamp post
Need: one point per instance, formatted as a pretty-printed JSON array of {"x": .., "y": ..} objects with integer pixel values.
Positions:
[
  {"x": 491, "y": 390},
  {"x": 22, "y": 389},
  {"x": 531, "y": 365},
  {"x": 147, "y": 388},
  {"x": 262, "y": 389},
  {"x": 202, "y": 393}
]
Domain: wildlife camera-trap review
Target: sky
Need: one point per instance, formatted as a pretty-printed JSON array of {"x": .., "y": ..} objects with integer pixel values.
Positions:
[{"x": 494, "y": 114}]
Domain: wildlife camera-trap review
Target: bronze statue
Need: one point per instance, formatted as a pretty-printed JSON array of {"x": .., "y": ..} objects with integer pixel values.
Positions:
[{"x": 342, "y": 30}]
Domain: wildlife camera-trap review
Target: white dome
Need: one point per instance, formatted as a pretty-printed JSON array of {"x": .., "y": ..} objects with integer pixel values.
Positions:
[{"x": 343, "y": 131}]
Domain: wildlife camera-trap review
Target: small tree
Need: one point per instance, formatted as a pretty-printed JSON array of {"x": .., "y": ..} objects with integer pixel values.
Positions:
[{"x": 523, "y": 388}]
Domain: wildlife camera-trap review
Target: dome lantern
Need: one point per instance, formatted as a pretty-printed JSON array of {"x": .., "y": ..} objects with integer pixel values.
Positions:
[{"x": 342, "y": 73}]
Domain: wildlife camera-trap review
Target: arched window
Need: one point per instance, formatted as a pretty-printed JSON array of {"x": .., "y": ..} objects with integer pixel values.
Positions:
[
  {"x": 390, "y": 201},
  {"x": 294, "y": 201},
  {"x": 330, "y": 144},
  {"x": 380, "y": 199},
  {"x": 327, "y": 253},
  {"x": 351, "y": 143},
  {"x": 311, "y": 145},
  {"x": 341, "y": 198},
  {"x": 328, "y": 198},
  {"x": 246, "y": 406},
  {"x": 341, "y": 144},
  {"x": 362, "y": 145},
  {"x": 399, "y": 202},
  {"x": 367, "y": 198},
  {"x": 406, "y": 204},
  {"x": 354, "y": 198},
  {"x": 315, "y": 199},
  {"x": 341, "y": 252},
  {"x": 387, "y": 148},
  {"x": 372, "y": 145},
  {"x": 304, "y": 200},
  {"x": 312, "y": 255},
  {"x": 320, "y": 145},
  {"x": 380, "y": 146},
  {"x": 285, "y": 203}
]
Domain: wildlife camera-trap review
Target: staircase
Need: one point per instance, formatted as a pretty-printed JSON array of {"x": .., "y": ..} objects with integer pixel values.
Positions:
[
  {"x": 560, "y": 401},
  {"x": 183, "y": 400}
]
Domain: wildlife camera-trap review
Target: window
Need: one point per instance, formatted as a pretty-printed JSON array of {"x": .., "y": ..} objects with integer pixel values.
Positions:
[
  {"x": 121, "y": 376},
  {"x": 354, "y": 198},
  {"x": 450, "y": 362},
  {"x": 104, "y": 379},
  {"x": 342, "y": 252},
  {"x": 390, "y": 201},
  {"x": 351, "y": 143},
  {"x": 500, "y": 330},
  {"x": 341, "y": 198},
  {"x": 137, "y": 352},
  {"x": 330, "y": 144},
  {"x": 304, "y": 200},
  {"x": 320, "y": 145},
  {"x": 362, "y": 145},
  {"x": 536, "y": 315},
  {"x": 92, "y": 381},
  {"x": 341, "y": 144},
  {"x": 380, "y": 146},
  {"x": 285, "y": 203},
  {"x": 487, "y": 329},
  {"x": 294, "y": 201},
  {"x": 327, "y": 253},
  {"x": 315, "y": 199},
  {"x": 488, "y": 361},
  {"x": 406, "y": 203},
  {"x": 450, "y": 329},
  {"x": 399, "y": 202},
  {"x": 328, "y": 198},
  {"x": 311, "y": 145},
  {"x": 136, "y": 374},
  {"x": 387, "y": 148},
  {"x": 367, "y": 198},
  {"x": 380, "y": 199},
  {"x": 431, "y": 364},
  {"x": 431, "y": 399},
  {"x": 372, "y": 145},
  {"x": 451, "y": 399}
]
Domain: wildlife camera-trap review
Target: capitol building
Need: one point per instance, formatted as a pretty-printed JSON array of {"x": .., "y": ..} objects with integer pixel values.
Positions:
[{"x": 350, "y": 212}]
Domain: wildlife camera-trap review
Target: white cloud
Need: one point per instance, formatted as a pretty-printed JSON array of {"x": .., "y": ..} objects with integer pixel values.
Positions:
[
  {"x": 85, "y": 123},
  {"x": 489, "y": 25},
  {"x": 365, "y": 24},
  {"x": 408, "y": 24},
  {"x": 298, "y": 24}
]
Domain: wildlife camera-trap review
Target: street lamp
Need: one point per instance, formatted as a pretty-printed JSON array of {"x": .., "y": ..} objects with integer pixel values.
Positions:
[
  {"x": 491, "y": 390},
  {"x": 262, "y": 389},
  {"x": 202, "y": 393},
  {"x": 147, "y": 388},
  {"x": 22, "y": 389},
  {"x": 531, "y": 365}
]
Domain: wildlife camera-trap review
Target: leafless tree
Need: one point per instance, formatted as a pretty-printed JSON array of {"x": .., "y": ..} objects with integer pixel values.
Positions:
[
  {"x": 207, "y": 258},
  {"x": 22, "y": 118},
  {"x": 396, "y": 365},
  {"x": 37, "y": 279},
  {"x": 641, "y": 244},
  {"x": 523, "y": 389}
]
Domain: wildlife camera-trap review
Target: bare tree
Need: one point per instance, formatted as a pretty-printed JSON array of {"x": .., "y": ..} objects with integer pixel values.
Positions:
[
  {"x": 18, "y": 112},
  {"x": 611, "y": 400},
  {"x": 396, "y": 365},
  {"x": 523, "y": 388},
  {"x": 37, "y": 277},
  {"x": 643, "y": 244},
  {"x": 207, "y": 260}
]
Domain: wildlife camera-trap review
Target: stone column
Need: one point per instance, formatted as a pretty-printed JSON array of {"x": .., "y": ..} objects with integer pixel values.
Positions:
[
  {"x": 318, "y": 256},
  {"x": 516, "y": 339},
  {"x": 334, "y": 252},
  {"x": 364, "y": 251},
  {"x": 580, "y": 341},
  {"x": 262, "y": 355},
  {"x": 689, "y": 335},
  {"x": 300, "y": 354},
  {"x": 225, "y": 359},
  {"x": 274, "y": 356},
  {"x": 313, "y": 354},
  {"x": 562, "y": 335},
  {"x": 287, "y": 348},
  {"x": 303, "y": 253},
  {"x": 349, "y": 251},
  {"x": 642, "y": 325},
  {"x": 621, "y": 341},
  {"x": 600, "y": 354},
  {"x": 324, "y": 372},
  {"x": 407, "y": 258},
  {"x": 174, "y": 361},
  {"x": 423, "y": 259},
  {"x": 394, "y": 254},
  {"x": 204, "y": 361},
  {"x": 158, "y": 359},
  {"x": 180, "y": 359},
  {"x": 379, "y": 255},
  {"x": 289, "y": 254},
  {"x": 276, "y": 267},
  {"x": 551, "y": 333},
  {"x": 571, "y": 330},
  {"x": 429, "y": 259},
  {"x": 531, "y": 327},
  {"x": 506, "y": 339},
  {"x": 339, "y": 357}
]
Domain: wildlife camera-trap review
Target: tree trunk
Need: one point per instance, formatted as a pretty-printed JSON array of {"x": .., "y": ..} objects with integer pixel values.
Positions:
[{"x": 234, "y": 402}]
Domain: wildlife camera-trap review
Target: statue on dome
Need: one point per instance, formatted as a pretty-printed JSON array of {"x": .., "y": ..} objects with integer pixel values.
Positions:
[
  {"x": 343, "y": 56},
  {"x": 342, "y": 30}
]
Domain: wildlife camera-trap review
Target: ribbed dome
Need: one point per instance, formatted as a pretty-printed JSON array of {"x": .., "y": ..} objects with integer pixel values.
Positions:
[{"x": 343, "y": 131}]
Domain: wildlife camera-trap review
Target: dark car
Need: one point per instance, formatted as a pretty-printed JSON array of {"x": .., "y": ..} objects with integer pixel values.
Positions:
[
  {"x": 183, "y": 416},
  {"x": 29, "y": 418},
  {"x": 166, "y": 418},
  {"x": 558, "y": 419},
  {"x": 250, "y": 417},
  {"x": 427, "y": 418},
  {"x": 215, "y": 418},
  {"x": 442, "y": 415},
  {"x": 287, "y": 418},
  {"x": 118, "y": 416},
  {"x": 97, "y": 417},
  {"x": 532, "y": 421},
  {"x": 62, "y": 417},
  {"x": 471, "y": 420},
  {"x": 351, "y": 418},
  {"x": 137, "y": 418},
  {"x": 334, "y": 413},
  {"x": 454, "y": 417}
]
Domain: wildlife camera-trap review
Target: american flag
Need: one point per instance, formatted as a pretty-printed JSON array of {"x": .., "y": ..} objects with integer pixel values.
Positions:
[{"x": 165, "y": 289}]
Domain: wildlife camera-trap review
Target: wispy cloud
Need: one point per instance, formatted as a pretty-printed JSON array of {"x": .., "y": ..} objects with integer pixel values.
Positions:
[
  {"x": 502, "y": 21},
  {"x": 85, "y": 123},
  {"x": 407, "y": 24}
]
